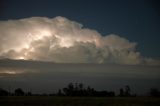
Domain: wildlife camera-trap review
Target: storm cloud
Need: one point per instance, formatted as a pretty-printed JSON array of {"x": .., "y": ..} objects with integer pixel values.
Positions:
[{"x": 64, "y": 41}]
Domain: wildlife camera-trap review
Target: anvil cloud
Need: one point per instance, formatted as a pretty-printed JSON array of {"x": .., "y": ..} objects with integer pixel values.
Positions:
[{"x": 64, "y": 41}]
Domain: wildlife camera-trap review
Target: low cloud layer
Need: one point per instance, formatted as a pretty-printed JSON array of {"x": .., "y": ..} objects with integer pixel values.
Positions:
[
  {"x": 64, "y": 41},
  {"x": 49, "y": 77}
]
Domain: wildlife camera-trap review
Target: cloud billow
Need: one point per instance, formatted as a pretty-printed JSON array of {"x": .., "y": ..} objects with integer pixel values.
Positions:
[{"x": 64, "y": 41}]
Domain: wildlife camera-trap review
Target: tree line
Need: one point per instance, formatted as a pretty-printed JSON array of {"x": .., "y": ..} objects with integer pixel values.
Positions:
[{"x": 78, "y": 89}]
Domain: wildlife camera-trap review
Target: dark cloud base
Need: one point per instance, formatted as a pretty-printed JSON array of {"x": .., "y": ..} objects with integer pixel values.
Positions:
[{"x": 48, "y": 76}]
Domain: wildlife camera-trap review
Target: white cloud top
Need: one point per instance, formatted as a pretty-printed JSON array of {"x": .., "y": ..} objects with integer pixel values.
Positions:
[{"x": 64, "y": 41}]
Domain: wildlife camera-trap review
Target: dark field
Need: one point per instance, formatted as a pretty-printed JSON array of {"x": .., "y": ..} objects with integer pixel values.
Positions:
[{"x": 78, "y": 101}]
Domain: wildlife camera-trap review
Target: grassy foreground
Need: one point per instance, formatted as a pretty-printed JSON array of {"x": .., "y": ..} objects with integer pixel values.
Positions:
[{"x": 78, "y": 101}]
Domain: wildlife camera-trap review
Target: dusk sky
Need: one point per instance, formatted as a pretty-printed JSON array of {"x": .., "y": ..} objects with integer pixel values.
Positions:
[{"x": 38, "y": 36}]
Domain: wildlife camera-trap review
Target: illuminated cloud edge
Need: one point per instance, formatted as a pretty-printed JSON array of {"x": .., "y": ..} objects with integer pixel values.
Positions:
[{"x": 64, "y": 41}]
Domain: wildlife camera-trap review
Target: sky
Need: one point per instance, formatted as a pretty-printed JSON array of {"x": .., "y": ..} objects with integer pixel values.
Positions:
[{"x": 102, "y": 33}]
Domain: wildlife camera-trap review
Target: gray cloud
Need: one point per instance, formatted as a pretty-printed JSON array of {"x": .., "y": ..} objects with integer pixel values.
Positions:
[
  {"x": 64, "y": 41},
  {"x": 48, "y": 76}
]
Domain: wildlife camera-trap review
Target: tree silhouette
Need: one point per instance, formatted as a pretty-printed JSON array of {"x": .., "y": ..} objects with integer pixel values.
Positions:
[
  {"x": 60, "y": 92},
  {"x": 29, "y": 93},
  {"x": 19, "y": 92},
  {"x": 81, "y": 86},
  {"x": 3, "y": 92},
  {"x": 154, "y": 92},
  {"x": 121, "y": 92},
  {"x": 79, "y": 90},
  {"x": 69, "y": 90},
  {"x": 127, "y": 90}
]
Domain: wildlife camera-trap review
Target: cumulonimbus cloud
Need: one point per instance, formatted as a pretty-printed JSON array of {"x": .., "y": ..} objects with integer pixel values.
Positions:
[{"x": 64, "y": 41}]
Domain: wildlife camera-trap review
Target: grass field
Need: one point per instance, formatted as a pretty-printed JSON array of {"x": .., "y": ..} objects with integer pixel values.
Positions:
[{"x": 78, "y": 101}]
